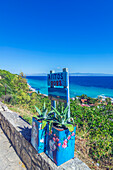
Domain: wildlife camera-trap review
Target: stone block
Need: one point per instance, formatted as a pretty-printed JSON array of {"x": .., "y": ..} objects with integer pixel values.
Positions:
[
  {"x": 8, "y": 132},
  {"x": 36, "y": 160},
  {"x": 17, "y": 144},
  {"x": 38, "y": 157},
  {"x": 26, "y": 158},
  {"x": 2, "y": 122},
  {"x": 32, "y": 151},
  {"x": 12, "y": 138},
  {"x": 45, "y": 165},
  {"x": 0, "y": 116},
  {"x": 12, "y": 129},
  {"x": 35, "y": 167},
  {"x": 37, "y": 164},
  {"x": 24, "y": 142}
]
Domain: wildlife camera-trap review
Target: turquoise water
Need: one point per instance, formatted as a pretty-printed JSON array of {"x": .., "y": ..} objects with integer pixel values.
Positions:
[
  {"x": 90, "y": 91},
  {"x": 91, "y": 86}
]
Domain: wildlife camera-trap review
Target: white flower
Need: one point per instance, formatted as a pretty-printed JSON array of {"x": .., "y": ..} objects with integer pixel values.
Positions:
[
  {"x": 40, "y": 127},
  {"x": 97, "y": 164},
  {"x": 42, "y": 140}
]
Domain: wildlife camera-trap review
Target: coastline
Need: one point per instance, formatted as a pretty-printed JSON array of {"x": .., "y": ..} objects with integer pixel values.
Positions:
[
  {"x": 45, "y": 95},
  {"x": 92, "y": 87},
  {"x": 34, "y": 90}
]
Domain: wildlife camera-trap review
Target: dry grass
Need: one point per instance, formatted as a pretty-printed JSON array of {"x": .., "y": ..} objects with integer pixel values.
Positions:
[
  {"x": 18, "y": 109},
  {"x": 24, "y": 113},
  {"x": 82, "y": 152}
]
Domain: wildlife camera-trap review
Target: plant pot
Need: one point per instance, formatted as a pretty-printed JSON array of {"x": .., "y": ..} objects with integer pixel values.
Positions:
[
  {"x": 38, "y": 135},
  {"x": 60, "y": 145}
]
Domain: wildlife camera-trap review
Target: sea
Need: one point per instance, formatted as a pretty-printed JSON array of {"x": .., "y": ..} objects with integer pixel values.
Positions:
[{"x": 92, "y": 86}]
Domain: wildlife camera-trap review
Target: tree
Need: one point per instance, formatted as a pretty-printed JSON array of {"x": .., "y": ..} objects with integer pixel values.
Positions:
[
  {"x": 83, "y": 96},
  {"x": 21, "y": 74},
  {"x": 108, "y": 100}
]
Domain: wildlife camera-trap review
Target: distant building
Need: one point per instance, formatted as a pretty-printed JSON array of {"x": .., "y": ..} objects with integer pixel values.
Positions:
[
  {"x": 73, "y": 98},
  {"x": 83, "y": 100},
  {"x": 86, "y": 105},
  {"x": 30, "y": 92},
  {"x": 92, "y": 105}
]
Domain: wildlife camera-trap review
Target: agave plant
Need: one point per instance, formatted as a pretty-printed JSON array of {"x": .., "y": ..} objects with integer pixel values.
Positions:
[
  {"x": 43, "y": 115},
  {"x": 62, "y": 120}
]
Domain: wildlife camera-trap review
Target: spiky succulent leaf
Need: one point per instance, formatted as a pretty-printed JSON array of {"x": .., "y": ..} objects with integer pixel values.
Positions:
[
  {"x": 38, "y": 110},
  {"x": 45, "y": 113},
  {"x": 70, "y": 118},
  {"x": 70, "y": 127},
  {"x": 50, "y": 125},
  {"x": 52, "y": 111},
  {"x": 66, "y": 110},
  {"x": 62, "y": 109},
  {"x": 44, "y": 122},
  {"x": 36, "y": 117},
  {"x": 56, "y": 111},
  {"x": 50, "y": 116}
]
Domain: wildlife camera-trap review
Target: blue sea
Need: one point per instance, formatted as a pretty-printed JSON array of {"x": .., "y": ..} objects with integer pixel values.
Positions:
[{"x": 92, "y": 86}]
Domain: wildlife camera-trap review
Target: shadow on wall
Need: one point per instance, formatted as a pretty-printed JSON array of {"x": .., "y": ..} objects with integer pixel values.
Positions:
[{"x": 26, "y": 131}]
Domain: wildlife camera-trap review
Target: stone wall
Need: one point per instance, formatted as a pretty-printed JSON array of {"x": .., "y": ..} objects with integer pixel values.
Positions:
[{"x": 19, "y": 133}]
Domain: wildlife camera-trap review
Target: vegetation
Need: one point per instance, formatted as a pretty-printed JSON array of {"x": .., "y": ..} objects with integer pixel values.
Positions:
[
  {"x": 43, "y": 115},
  {"x": 94, "y": 124},
  {"x": 17, "y": 92},
  {"x": 62, "y": 120}
]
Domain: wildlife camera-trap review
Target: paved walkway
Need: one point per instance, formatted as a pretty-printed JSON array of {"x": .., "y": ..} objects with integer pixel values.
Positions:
[{"x": 9, "y": 160}]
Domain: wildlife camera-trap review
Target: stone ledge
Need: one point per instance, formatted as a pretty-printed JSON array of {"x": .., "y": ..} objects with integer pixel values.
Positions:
[{"x": 19, "y": 133}]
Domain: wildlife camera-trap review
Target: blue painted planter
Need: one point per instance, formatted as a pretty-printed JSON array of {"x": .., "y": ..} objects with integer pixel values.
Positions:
[
  {"x": 60, "y": 145},
  {"x": 38, "y": 135}
]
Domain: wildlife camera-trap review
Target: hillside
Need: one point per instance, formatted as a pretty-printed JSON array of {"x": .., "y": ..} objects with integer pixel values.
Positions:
[
  {"x": 13, "y": 83},
  {"x": 12, "y": 86},
  {"x": 15, "y": 91}
]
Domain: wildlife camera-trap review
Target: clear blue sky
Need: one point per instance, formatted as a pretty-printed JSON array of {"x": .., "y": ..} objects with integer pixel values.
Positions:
[{"x": 39, "y": 35}]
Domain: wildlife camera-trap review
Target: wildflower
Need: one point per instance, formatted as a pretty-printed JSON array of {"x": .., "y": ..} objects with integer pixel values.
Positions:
[
  {"x": 42, "y": 140},
  {"x": 73, "y": 134},
  {"x": 59, "y": 144},
  {"x": 57, "y": 139},
  {"x": 53, "y": 138},
  {"x": 64, "y": 145},
  {"x": 65, "y": 141},
  {"x": 69, "y": 137}
]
